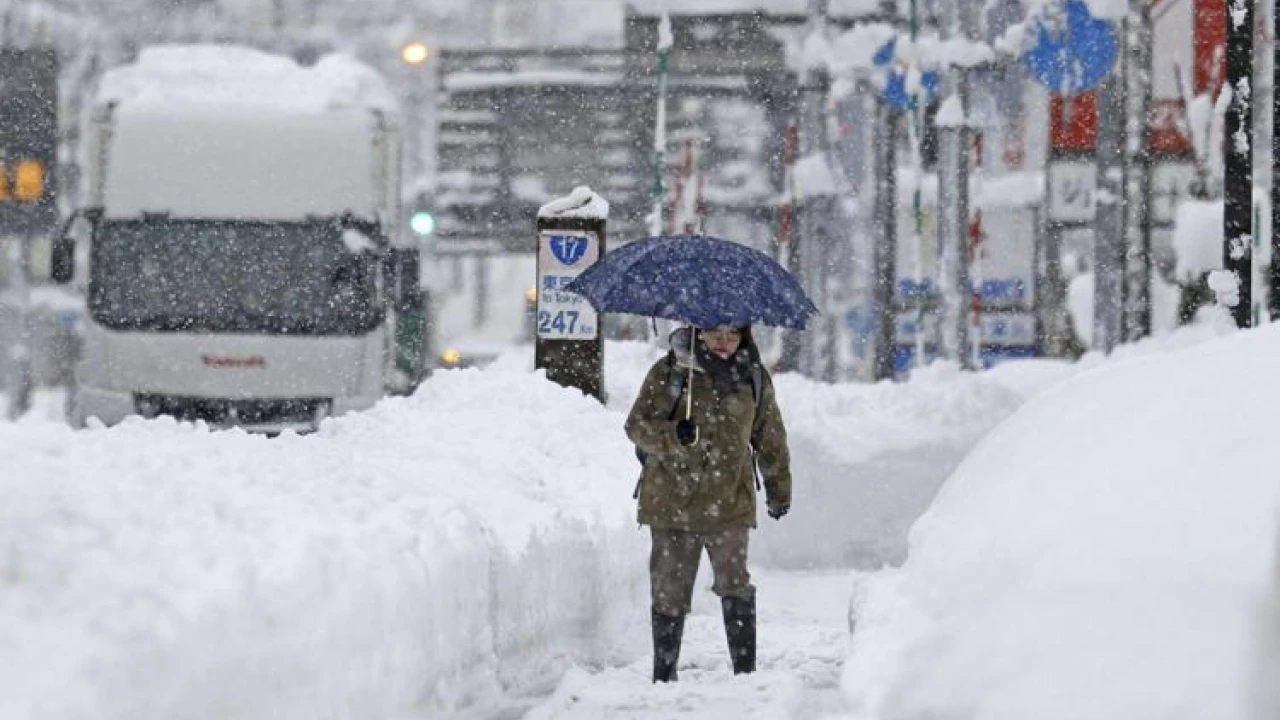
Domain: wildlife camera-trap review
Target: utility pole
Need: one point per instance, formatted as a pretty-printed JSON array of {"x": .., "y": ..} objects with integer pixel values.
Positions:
[
  {"x": 1237, "y": 215},
  {"x": 1137, "y": 171},
  {"x": 885, "y": 221},
  {"x": 805, "y": 252},
  {"x": 1274, "y": 295},
  {"x": 960, "y": 18},
  {"x": 815, "y": 204},
  {"x": 1108, "y": 235}
]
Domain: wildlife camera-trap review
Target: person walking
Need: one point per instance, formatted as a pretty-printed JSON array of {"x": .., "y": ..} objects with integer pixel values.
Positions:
[{"x": 704, "y": 420}]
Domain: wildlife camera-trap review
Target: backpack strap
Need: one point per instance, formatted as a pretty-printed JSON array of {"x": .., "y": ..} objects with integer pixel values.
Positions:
[
  {"x": 675, "y": 385},
  {"x": 757, "y": 391}
]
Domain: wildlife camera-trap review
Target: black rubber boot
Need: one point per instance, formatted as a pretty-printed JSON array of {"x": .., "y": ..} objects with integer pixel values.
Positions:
[
  {"x": 667, "y": 631},
  {"x": 740, "y": 629}
]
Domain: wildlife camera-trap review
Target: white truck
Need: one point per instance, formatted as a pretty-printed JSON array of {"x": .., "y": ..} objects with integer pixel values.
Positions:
[{"x": 239, "y": 228}]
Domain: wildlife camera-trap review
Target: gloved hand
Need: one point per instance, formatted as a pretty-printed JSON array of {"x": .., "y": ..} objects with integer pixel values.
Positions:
[
  {"x": 777, "y": 511},
  {"x": 686, "y": 432}
]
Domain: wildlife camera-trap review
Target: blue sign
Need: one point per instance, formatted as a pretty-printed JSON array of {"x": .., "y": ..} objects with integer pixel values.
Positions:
[
  {"x": 895, "y": 84},
  {"x": 1075, "y": 55},
  {"x": 568, "y": 249}
]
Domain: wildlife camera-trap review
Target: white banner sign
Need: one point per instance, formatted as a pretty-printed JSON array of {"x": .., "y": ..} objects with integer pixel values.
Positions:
[
  {"x": 1171, "y": 183},
  {"x": 1072, "y": 188},
  {"x": 562, "y": 256}
]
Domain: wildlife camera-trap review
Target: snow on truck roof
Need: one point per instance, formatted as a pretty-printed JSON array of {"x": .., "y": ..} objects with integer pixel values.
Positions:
[{"x": 187, "y": 77}]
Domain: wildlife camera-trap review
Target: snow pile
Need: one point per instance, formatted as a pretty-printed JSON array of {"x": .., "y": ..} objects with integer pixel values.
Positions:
[
  {"x": 423, "y": 556},
  {"x": 170, "y": 77},
  {"x": 1165, "y": 299},
  {"x": 1197, "y": 238},
  {"x": 581, "y": 203},
  {"x": 1101, "y": 554},
  {"x": 867, "y": 460}
]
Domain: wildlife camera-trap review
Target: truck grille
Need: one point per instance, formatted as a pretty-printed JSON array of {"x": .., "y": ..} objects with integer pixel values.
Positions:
[{"x": 297, "y": 413}]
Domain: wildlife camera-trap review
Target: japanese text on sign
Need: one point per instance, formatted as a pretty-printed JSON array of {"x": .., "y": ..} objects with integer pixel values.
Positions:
[{"x": 562, "y": 256}]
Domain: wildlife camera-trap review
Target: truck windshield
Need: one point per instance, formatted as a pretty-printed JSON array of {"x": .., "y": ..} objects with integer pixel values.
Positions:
[{"x": 231, "y": 276}]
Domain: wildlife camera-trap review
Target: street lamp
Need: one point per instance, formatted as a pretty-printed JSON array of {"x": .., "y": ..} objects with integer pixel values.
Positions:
[{"x": 414, "y": 53}]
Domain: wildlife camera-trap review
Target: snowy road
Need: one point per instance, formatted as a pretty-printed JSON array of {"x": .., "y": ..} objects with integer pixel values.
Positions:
[{"x": 803, "y": 637}]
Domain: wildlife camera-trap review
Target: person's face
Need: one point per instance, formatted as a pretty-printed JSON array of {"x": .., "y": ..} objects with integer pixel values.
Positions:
[{"x": 723, "y": 341}]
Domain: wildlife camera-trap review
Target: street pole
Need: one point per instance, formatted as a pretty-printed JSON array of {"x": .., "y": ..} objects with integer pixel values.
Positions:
[
  {"x": 1108, "y": 235},
  {"x": 1137, "y": 175},
  {"x": 920, "y": 295},
  {"x": 20, "y": 373},
  {"x": 1274, "y": 274},
  {"x": 954, "y": 144},
  {"x": 1237, "y": 153},
  {"x": 810, "y": 244},
  {"x": 884, "y": 261},
  {"x": 665, "y": 41}
]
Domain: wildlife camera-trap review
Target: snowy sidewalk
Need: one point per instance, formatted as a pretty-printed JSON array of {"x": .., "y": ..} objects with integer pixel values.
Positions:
[{"x": 803, "y": 639}]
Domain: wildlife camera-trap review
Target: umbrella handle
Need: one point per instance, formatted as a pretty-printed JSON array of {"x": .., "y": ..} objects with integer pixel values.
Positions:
[{"x": 688, "y": 396}]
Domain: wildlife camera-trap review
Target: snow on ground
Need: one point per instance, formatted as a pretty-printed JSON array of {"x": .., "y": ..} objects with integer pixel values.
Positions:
[
  {"x": 429, "y": 554},
  {"x": 1102, "y": 554},
  {"x": 802, "y": 641},
  {"x": 449, "y": 554},
  {"x": 439, "y": 554}
]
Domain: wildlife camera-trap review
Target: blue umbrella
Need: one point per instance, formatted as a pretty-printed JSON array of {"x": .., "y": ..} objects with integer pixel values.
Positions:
[{"x": 696, "y": 279}]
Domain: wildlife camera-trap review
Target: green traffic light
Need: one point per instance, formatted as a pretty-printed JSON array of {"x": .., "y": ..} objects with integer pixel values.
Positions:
[{"x": 422, "y": 223}]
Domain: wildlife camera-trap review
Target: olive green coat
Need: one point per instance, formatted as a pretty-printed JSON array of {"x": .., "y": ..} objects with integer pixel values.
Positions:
[{"x": 708, "y": 486}]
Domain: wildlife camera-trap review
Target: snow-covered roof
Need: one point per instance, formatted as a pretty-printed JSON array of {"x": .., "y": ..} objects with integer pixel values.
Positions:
[
  {"x": 581, "y": 203},
  {"x": 178, "y": 77},
  {"x": 529, "y": 78},
  {"x": 837, "y": 8}
]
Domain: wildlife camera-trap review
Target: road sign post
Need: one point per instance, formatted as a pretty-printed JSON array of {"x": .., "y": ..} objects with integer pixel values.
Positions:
[
  {"x": 1073, "y": 53},
  {"x": 568, "y": 343},
  {"x": 28, "y": 155}
]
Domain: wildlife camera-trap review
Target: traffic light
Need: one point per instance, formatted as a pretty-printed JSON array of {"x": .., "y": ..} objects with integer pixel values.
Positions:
[{"x": 422, "y": 223}]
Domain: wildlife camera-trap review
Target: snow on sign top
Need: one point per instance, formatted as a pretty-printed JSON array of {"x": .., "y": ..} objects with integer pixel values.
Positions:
[
  {"x": 187, "y": 76},
  {"x": 581, "y": 203}
]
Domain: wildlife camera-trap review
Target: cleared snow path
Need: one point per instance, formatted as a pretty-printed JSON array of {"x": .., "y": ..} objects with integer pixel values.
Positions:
[{"x": 803, "y": 635}]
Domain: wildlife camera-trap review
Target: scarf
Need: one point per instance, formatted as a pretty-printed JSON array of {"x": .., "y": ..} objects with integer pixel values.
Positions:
[{"x": 725, "y": 374}]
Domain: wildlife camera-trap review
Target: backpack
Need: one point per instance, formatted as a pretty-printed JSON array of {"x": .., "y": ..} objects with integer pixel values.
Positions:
[{"x": 675, "y": 388}]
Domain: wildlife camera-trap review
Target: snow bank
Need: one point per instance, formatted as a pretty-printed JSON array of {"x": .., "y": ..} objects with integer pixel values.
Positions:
[
  {"x": 425, "y": 555},
  {"x": 1197, "y": 236},
  {"x": 1100, "y": 555},
  {"x": 1165, "y": 299},
  {"x": 868, "y": 459}
]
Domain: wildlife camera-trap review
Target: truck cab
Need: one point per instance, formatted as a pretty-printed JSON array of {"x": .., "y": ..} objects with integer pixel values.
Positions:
[{"x": 239, "y": 237}]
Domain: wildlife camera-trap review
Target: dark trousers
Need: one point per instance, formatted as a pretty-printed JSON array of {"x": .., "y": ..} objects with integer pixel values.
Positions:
[{"x": 673, "y": 567}]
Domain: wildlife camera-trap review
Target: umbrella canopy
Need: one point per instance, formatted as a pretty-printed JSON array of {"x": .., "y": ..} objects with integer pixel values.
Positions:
[{"x": 700, "y": 280}]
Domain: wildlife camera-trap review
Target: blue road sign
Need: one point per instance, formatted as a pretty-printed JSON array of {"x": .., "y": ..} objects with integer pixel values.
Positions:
[
  {"x": 895, "y": 84},
  {"x": 568, "y": 249},
  {"x": 1075, "y": 55}
]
